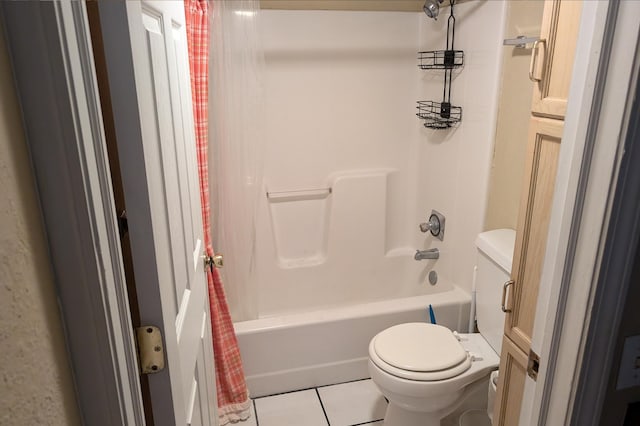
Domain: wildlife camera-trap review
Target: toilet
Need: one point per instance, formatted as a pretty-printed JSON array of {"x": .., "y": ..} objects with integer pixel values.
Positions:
[{"x": 427, "y": 371}]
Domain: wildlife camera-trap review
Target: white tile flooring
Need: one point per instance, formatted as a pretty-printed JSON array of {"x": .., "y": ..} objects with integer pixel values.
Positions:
[{"x": 345, "y": 404}]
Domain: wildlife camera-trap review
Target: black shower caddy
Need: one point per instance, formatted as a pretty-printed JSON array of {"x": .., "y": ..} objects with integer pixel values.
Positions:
[{"x": 442, "y": 115}]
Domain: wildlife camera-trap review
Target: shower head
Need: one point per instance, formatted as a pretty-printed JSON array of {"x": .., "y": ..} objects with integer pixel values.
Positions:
[{"x": 432, "y": 8}]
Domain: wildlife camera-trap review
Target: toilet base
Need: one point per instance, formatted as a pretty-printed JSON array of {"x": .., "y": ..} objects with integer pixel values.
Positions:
[
  {"x": 397, "y": 416},
  {"x": 474, "y": 396}
]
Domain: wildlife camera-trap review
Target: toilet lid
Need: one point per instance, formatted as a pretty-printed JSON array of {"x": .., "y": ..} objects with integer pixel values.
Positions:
[{"x": 419, "y": 347}]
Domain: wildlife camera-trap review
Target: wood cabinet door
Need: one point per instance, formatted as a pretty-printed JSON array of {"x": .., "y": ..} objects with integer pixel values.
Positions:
[
  {"x": 543, "y": 147},
  {"x": 553, "y": 57},
  {"x": 513, "y": 372}
]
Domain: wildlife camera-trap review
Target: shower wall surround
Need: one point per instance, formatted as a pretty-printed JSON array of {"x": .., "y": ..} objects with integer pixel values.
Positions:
[
  {"x": 350, "y": 171},
  {"x": 454, "y": 165}
]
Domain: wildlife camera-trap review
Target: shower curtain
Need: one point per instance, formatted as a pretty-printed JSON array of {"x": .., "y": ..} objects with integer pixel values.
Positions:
[
  {"x": 233, "y": 398},
  {"x": 237, "y": 154}
]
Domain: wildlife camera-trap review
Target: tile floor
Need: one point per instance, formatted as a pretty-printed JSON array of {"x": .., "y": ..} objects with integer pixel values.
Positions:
[{"x": 356, "y": 403}]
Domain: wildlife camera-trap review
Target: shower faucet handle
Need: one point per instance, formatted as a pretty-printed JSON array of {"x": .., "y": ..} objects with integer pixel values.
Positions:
[
  {"x": 435, "y": 225},
  {"x": 432, "y": 225}
]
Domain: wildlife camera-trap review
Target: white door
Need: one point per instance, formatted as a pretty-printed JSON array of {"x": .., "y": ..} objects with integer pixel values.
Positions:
[{"x": 148, "y": 71}]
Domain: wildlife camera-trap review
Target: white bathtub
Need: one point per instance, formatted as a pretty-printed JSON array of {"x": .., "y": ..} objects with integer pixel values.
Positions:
[{"x": 311, "y": 349}]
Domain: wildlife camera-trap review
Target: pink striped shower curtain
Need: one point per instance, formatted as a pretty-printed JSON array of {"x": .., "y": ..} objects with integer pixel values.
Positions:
[{"x": 233, "y": 397}]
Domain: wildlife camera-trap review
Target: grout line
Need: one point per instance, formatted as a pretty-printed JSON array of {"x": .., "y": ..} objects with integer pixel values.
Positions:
[
  {"x": 255, "y": 411},
  {"x": 367, "y": 423},
  {"x": 281, "y": 393},
  {"x": 322, "y": 405},
  {"x": 344, "y": 383},
  {"x": 316, "y": 387}
]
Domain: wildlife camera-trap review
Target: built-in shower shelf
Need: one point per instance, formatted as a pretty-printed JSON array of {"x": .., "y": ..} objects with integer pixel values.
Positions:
[
  {"x": 440, "y": 59},
  {"x": 439, "y": 115},
  {"x": 299, "y": 194}
]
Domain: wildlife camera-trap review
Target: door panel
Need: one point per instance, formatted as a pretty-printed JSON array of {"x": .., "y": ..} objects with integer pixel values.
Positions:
[
  {"x": 560, "y": 25},
  {"x": 533, "y": 223},
  {"x": 513, "y": 372},
  {"x": 151, "y": 93}
]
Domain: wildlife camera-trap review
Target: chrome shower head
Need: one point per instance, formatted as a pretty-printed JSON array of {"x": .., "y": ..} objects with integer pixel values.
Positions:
[{"x": 432, "y": 8}]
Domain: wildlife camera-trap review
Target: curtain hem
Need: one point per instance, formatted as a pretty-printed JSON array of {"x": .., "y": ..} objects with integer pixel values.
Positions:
[{"x": 234, "y": 413}]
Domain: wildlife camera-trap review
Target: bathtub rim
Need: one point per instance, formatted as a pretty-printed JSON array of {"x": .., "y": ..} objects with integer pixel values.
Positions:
[{"x": 361, "y": 310}]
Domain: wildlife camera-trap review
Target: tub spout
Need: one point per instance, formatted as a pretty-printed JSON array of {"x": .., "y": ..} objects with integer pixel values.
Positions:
[{"x": 433, "y": 253}]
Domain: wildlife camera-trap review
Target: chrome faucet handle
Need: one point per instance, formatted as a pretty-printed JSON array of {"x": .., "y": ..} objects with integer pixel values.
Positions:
[
  {"x": 433, "y": 225},
  {"x": 425, "y": 227}
]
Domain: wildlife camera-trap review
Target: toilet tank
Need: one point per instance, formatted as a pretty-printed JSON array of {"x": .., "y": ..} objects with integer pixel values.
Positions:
[{"x": 493, "y": 262}]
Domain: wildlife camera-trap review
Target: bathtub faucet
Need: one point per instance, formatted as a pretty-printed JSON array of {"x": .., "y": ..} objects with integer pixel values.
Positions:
[{"x": 433, "y": 253}]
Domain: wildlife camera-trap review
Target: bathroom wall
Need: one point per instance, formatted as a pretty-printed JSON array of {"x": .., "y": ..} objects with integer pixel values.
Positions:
[
  {"x": 370, "y": 5},
  {"x": 454, "y": 164},
  {"x": 523, "y": 18},
  {"x": 37, "y": 387},
  {"x": 341, "y": 91}
]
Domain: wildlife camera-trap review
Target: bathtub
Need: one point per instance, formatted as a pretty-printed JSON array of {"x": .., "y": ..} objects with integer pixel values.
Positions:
[{"x": 305, "y": 350}]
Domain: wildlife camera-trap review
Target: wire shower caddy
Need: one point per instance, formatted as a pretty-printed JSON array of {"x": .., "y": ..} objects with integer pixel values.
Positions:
[
  {"x": 440, "y": 59},
  {"x": 442, "y": 115}
]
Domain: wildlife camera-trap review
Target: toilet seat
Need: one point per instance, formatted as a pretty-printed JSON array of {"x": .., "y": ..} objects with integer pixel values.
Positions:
[{"x": 419, "y": 351}]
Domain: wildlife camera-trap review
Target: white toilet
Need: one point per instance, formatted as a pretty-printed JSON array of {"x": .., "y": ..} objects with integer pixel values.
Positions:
[{"x": 426, "y": 371}]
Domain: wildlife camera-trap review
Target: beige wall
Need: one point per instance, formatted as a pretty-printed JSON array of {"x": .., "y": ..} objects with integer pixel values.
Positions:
[
  {"x": 524, "y": 18},
  {"x": 397, "y": 5},
  {"x": 371, "y": 5},
  {"x": 35, "y": 385}
]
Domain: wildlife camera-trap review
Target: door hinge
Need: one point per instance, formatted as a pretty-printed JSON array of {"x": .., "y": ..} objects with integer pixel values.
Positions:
[
  {"x": 150, "y": 349},
  {"x": 533, "y": 365}
]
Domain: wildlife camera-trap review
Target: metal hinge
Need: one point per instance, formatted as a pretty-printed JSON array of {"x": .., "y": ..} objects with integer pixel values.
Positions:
[
  {"x": 150, "y": 349},
  {"x": 533, "y": 365}
]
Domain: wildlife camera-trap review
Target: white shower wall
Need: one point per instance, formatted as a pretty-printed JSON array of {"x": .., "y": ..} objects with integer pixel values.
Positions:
[
  {"x": 341, "y": 89},
  {"x": 454, "y": 166}
]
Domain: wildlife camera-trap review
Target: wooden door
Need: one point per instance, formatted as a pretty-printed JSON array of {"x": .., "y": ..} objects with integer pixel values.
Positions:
[
  {"x": 553, "y": 57},
  {"x": 513, "y": 373},
  {"x": 553, "y": 60},
  {"x": 147, "y": 67},
  {"x": 543, "y": 149}
]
